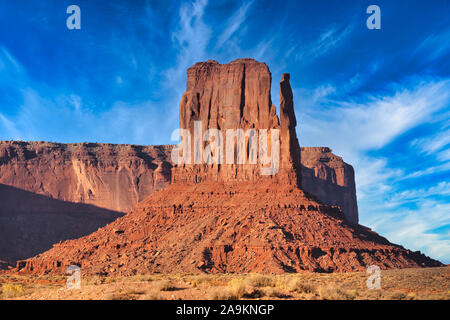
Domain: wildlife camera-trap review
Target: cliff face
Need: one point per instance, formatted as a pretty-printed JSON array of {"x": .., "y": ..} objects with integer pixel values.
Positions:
[
  {"x": 330, "y": 179},
  {"x": 43, "y": 185},
  {"x": 31, "y": 223},
  {"x": 50, "y": 192},
  {"x": 235, "y": 98},
  {"x": 114, "y": 177},
  {"x": 117, "y": 177}
]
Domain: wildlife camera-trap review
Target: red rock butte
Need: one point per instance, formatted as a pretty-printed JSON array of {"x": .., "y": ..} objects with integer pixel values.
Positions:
[{"x": 220, "y": 217}]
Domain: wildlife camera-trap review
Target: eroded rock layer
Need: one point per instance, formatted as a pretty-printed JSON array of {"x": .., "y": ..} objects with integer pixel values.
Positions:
[
  {"x": 326, "y": 176},
  {"x": 236, "y": 96},
  {"x": 109, "y": 176},
  {"x": 51, "y": 192},
  {"x": 227, "y": 227}
]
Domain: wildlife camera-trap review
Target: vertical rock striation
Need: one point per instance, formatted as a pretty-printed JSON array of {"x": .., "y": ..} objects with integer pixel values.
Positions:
[
  {"x": 110, "y": 176},
  {"x": 326, "y": 176},
  {"x": 231, "y": 97},
  {"x": 290, "y": 149}
]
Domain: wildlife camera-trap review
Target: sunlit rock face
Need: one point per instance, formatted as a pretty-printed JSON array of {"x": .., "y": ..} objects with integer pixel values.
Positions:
[{"x": 237, "y": 96}]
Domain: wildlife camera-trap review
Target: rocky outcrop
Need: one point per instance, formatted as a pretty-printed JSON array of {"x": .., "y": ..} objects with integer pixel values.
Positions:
[
  {"x": 217, "y": 217},
  {"x": 290, "y": 148},
  {"x": 227, "y": 227},
  {"x": 43, "y": 183},
  {"x": 232, "y": 97},
  {"x": 39, "y": 207},
  {"x": 51, "y": 192},
  {"x": 109, "y": 176},
  {"x": 92, "y": 173},
  {"x": 326, "y": 176}
]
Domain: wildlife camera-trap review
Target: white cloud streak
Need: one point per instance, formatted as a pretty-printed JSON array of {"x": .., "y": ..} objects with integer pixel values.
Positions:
[
  {"x": 234, "y": 23},
  {"x": 327, "y": 40},
  {"x": 357, "y": 129}
]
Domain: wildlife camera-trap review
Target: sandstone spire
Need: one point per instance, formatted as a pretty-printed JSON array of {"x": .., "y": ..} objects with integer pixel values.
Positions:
[
  {"x": 237, "y": 96},
  {"x": 290, "y": 149}
]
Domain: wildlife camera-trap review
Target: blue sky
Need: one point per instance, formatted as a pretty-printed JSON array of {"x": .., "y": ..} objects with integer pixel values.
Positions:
[{"x": 378, "y": 98}]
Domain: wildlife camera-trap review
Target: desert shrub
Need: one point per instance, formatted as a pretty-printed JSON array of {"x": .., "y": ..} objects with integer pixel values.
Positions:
[
  {"x": 274, "y": 293},
  {"x": 115, "y": 296},
  {"x": 411, "y": 296},
  {"x": 151, "y": 295},
  {"x": 260, "y": 281},
  {"x": 202, "y": 278},
  {"x": 144, "y": 277},
  {"x": 253, "y": 293},
  {"x": 301, "y": 286},
  {"x": 237, "y": 287},
  {"x": 397, "y": 295},
  {"x": 165, "y": 285},
  {"x": 10, "y": 290},
  {"x": 96, "y": 280},
  {"x": 335, "y": 293},
  {"x": 223, "y": 294}
]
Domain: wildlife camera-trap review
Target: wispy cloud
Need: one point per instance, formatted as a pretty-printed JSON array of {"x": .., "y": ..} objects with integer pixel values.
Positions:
[
  {"x": 430, "y": 145},
  {"x": 416, "y": 228},
  {"x": 7, "y": 128},
  {"x": 356, "y": 129},
  {"x": 428, "y": 171},
  {"x": 376, "y": 120},
  {"x": 329, "y": 39},
  {"x": 435, "y": 45},
  {"x": 234, "y": 23},
  {"x": 191, "y": 38},
  {"x": 444, "y": 155}
]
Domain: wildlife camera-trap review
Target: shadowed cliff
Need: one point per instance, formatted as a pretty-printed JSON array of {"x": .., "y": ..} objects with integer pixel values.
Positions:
[{"x": 32, "y": 223}]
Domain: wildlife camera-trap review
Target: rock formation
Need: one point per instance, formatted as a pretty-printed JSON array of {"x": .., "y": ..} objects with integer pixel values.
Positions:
[
  {"x": 109, "y": 176},
  {"x": 51, "y": 192},
  {"x": 51, "y": 170},
  {"x": 231, "y": 218},
  {"x": 290, "y": 148},
  {"x": 330, "y": 179},
  {"x": 227, "y": 227},
  {"x": 117, "y": 177},
  {"x": 232, "y": 97}
]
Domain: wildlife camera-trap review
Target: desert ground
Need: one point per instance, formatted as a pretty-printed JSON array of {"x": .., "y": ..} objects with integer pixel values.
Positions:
[{"x": 400, "y": 284}]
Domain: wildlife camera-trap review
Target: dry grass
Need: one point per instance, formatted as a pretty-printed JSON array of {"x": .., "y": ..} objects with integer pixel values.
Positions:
[
  {"x": 301, "y": 286},
  {"x": 152, "y": 295},
  {"x": 222, "y": 294},
  {"x": 165, "y": 285},
  {"x": 336, "y": 293},
  {"x": 406, "y": 284},
  {"x": 11, "y": 290},
  {"x": 260, "y": 281}
]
